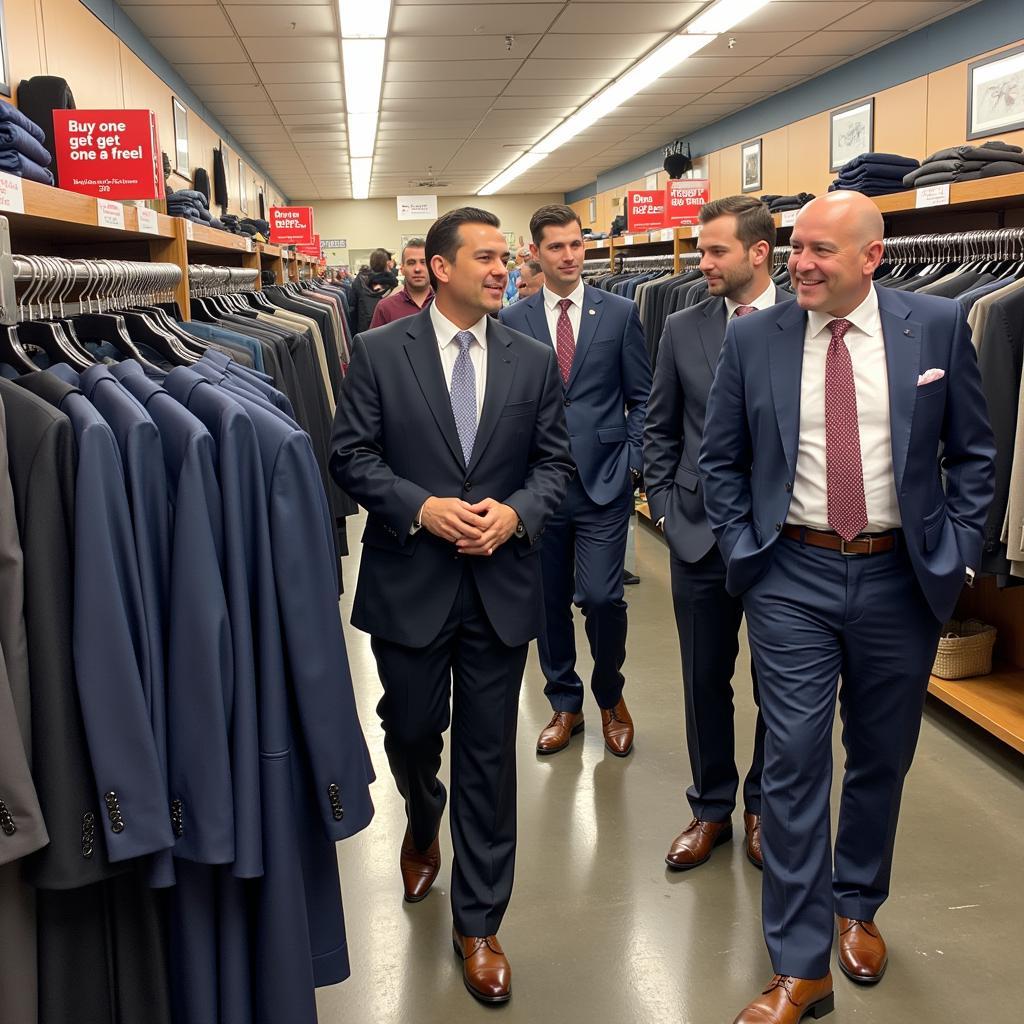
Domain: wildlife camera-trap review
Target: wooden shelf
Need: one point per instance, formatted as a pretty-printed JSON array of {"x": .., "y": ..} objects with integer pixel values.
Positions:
[
  {"x": 995, "y": 702},
  {"x": 202, "y": 239}
]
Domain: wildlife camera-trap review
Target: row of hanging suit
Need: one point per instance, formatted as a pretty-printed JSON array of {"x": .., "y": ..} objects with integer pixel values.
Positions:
[{"x": 179, "y": 744}]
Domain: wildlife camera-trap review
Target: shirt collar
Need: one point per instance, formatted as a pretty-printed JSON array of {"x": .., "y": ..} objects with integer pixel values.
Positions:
[
  {"x": 551, "y": 300},
  {"x": 445, "y": 330},
  {"x": 763, "y": 301},
  {"x": 412, "y": 301},
  {"x": 865, "y": 317}
]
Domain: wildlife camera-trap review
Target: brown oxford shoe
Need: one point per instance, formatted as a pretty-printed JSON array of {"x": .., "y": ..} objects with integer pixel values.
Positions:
[
  {"x": 862, "y": 953},
  {"x": 485, "y": 968},
  {"x": 693, "y": 846},
  {"x": 752, "y": 827},
  {"x": 617, "y": 727},
  {"x": 788, "y": 1000},
  {"x": 556, "y": 734},
  {"x": 419, "y": 868}
]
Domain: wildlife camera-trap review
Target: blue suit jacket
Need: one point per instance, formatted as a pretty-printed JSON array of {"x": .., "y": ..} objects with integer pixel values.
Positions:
[
  {"x": 609, "y": 384},
  {"x": 940, "y": 435}
]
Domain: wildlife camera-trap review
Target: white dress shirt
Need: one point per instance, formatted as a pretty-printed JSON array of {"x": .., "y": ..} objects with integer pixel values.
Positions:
[
  {"x": 763, "y": 301},
  {"x": 866, "y": 345},
  {"x": 551, "y": 301},
  {"x": 445, "y": 332}
]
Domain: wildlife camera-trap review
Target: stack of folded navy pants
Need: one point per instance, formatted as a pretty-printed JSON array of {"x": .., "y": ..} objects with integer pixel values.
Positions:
[
  {"x": 21, "y": 146},
  {"x": 874, "y": 174},
  {"x": 967, "y": 163}
]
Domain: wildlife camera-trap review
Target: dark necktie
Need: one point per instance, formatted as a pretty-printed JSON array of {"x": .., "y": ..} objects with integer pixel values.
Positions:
[
  {"x": 464, "y": 394},
  {"x": 847, "y": 506},
  {"x": 565, "y": 343},
  {"x": 744, "y": 310}
]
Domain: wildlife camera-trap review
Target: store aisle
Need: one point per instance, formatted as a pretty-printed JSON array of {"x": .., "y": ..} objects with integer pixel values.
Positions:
[{"x": 599, "y": 931}]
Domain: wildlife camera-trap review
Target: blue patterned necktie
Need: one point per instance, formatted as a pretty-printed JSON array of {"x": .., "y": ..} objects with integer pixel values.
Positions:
[{"x": 464, "y": 394}]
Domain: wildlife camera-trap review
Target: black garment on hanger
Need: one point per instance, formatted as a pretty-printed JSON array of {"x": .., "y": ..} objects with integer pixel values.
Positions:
[
  {"x": 220, "y": 179},
  {"x": 201, "y": 182}
]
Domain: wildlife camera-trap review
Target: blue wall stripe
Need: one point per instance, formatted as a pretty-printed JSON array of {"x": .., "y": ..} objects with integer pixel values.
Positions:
[
  {"x": 985, "y": 26},
  {"x": 128, "y": 32}
]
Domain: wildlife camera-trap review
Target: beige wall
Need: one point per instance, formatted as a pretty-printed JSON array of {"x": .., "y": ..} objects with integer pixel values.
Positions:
[
  {"x": 63, "y": 38},
  {"x": 371, "y": 223},
  {"x": 915, "y": 119}
]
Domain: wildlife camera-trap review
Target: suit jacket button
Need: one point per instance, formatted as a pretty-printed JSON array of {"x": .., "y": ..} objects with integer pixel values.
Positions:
[
  {"x": 778, "y": 527},
  {"x": 567, "y": 403},
  {"x": 789, "y": 486},
  {"x": 468, "y": 485}
]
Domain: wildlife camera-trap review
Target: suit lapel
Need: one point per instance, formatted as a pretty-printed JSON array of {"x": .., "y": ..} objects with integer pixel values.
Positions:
[
  {"x": 501, "y": 367},
  {"x": 537, "y": 318},
  {"x": 786, "y": 359},
  {"x": 903, "y": 359},
  {"x": 590, "y": 318},
  {"x": 712, "y": 332},
  {"x": 426, "y": 365}
]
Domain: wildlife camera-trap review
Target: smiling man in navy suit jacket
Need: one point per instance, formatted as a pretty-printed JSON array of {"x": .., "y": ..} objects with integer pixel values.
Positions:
[
  {"x": 848, "y": 467},
  {"x": 606, "y": 380}
]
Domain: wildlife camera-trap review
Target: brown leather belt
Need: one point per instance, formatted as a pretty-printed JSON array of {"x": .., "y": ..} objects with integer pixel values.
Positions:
[{"x": 865, "y": 544}]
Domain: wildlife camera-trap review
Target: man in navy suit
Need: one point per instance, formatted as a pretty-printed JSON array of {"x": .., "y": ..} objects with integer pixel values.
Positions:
[
  {"x": 450, "y": 432},
  {"x": 848, "y": 467},
  {"x": 736, "y": 242},
  {"x": 606, "y": 379}
]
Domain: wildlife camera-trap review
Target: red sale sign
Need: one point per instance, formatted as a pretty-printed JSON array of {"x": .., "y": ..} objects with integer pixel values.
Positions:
[
  {"x": 291, "y": 225},
  {"x": 684, "y": 198},
  {"x": 645, "y": 210},
  {"x": 110, "y": 154},
  {"x": 311, "y": 250}
]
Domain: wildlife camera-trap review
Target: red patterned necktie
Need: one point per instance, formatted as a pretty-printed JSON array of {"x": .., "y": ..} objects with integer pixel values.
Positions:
[
  {"x": 565, "y": 343},
  {"x": 744, "y": 310},
  {"x": 847, "y": 506}
]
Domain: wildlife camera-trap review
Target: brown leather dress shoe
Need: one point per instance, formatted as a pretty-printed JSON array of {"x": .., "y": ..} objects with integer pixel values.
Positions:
[
  {"x": 862, "y": 953},
  {"x": 556, "y": 734},
  {"x": 419, "y": 868},
  {"x": 788, "y": 1000},
  {"x": 693, "y": 846},
  {"x": 752, "y": 827},
  {"x": 617, "y": 727},
  {"x": 485, "y": 968}
]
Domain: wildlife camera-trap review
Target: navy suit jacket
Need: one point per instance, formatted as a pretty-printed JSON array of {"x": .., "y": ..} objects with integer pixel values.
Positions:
[
  {"x": 687, "y": 356},
  {"x": 608, "y": 387},
  {"x": 395, "y": 444},
  {"x": 942, "y": 448}
]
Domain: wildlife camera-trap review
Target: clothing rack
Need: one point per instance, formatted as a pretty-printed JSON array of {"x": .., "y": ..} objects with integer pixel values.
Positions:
[
  {"x": 1000, "y": 244},
  {"x": 204, "y": 280}
]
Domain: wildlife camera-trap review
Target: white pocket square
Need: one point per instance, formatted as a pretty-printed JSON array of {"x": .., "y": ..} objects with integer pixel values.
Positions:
[{"x": 929, "y": 376}]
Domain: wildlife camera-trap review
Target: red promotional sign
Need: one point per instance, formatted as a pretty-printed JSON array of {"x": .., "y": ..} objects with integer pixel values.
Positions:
[
  {"x": 645, "y": 210},
  {"x": 684, "y": 198},
  {"x": 110, "y": 154},
  {"x": 291, "y": 225},
  {"x": 313, "y": 249}
]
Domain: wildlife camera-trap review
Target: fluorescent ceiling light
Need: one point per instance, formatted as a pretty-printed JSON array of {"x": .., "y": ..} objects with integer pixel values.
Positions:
[
  {"x": 524, "y": 163},
  {"x": 724, "y": 15},
  {"x": 360, "y": 168},
  {"x": 364, "y": 19},
  {"x": 364, "y": 70},
  {"x": 362, "y": 133}
]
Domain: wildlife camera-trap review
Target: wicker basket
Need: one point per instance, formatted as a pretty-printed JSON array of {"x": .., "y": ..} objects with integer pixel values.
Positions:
[{"x": 965, "y": 649}]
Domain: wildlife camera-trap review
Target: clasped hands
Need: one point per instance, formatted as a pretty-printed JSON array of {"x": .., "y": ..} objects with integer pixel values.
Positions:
[{"x": 478, "y": 529}]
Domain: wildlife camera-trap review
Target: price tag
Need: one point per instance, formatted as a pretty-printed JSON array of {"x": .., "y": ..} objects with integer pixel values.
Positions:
[
  {"x": 630, "y": 239},
  {"x": 12, "y": 195},
  {"x": 789, "y": 218},
  {"x": 189, "y": 232},
  {"x": 248, "y": 244},
  {"x": 695, "y": 231},
  {"x": 109, "y": 214},
  {"x": 932, "y": 195},
  {"x": 668, "y": 234},
  {"x": 149, "y": 221}
]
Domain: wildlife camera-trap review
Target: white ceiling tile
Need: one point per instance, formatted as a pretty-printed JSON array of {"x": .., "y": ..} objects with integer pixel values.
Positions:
[
  {"x": 432, "y": 19},
  {"x": 227, "y": 109},
  {"x": 462, "y": 107},
  {"x": 710, "y": 67},
  {"x": 585, "y": 18},
  {"x": 414, "y": 48},
  {"x": 282, "y": 20},
  {"x": 617, "y": 46},
  {"x": 791, "y": 16},
  {"x": 310, "y": 107},
  {"x": 838, "y": 44},
  {"x": 312, "y": 48},
  {"x": 217, "y": 74},
  {"x": 449, "y": 70},
  {"x": 686, "y": 84},
  {"x": 574, "y": 90},
  {"x": 581, "y": 68},
  {"x": 302, "y": 71},
  {"x": 333, "y": 118},
  {"x": 751, "y": 44},
  {"x": 306, "y": 91},
  {"x": 542, "y": 105},
  {"x": 792, "y": 65},
  {"x": 235, "y": 122},
  {"x": 179, "y": 19},
  {"x": 446, "y": 90},
  {"x": 897, "y": 16},
  {"x": 201, "y": 50},
  {"x": 214, "y": 95},
  {"x": 758, "y": 83}
]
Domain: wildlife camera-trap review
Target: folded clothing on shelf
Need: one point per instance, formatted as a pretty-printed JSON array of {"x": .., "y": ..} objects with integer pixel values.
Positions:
[
  {"x": 874, "y": 174},
  {"x": 968, "y": 163},
  {"x": 22, "y": 152},
  {"x": 262, "y": 226},
  {"x": 191, "y": 205},
  {"x": 780, "y": 204}
]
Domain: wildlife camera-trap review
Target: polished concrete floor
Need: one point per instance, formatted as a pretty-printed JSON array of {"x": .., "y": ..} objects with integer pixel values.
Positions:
[{"x": 598, "y": 931}]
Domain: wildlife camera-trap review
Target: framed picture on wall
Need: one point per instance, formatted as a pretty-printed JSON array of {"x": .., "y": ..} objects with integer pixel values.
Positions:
[
  {"x": 243, "y": 189},
  {"x": 5, "y": 75},
  {"x": 851, "y": 131},
  {"x": 750, "y": 166},
  {"x": 995, "y": 94},
  {"x": 180, "y": 117}
]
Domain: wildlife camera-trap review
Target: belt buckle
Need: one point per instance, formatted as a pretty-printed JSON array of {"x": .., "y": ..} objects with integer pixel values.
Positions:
[{"x": 850, "y": 554}]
